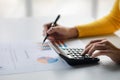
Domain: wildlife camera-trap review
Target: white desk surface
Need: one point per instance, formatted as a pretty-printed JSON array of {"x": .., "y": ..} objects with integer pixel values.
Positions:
[{"x": 31, "y": 29}]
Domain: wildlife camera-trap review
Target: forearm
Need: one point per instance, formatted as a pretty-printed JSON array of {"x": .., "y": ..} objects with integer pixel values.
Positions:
[{"x": 103, "y": 26}]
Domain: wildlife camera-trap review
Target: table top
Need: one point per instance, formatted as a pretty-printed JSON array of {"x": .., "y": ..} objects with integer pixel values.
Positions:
[{"x": 31, "y": 29}]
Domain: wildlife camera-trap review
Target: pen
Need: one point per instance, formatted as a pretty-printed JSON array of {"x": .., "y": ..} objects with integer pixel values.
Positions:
[{"x": 52, "y": 25}]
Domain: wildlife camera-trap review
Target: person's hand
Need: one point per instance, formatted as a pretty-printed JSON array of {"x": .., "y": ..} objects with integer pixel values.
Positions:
[
  {"x": 104, "y": 47},
  {"x": 59, "y": 32}
]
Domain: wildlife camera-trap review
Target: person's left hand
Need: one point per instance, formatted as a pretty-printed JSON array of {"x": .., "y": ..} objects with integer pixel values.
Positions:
[{"x": 105, "y": 48}]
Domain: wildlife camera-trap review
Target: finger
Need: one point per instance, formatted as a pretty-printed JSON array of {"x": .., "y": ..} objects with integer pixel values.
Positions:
[
  {"x": 94, "y": 41},
  {"x": 109, "y": 44},
  {"x": 99, "y": 53},
  {"x": 55, "y": 37},
  {"x": 86, "y": 49},
  {"x": 46, "y": 27},
  {"x": 59, "y": 37},
  {"x": 51, "y": 38},
  {"x": 89, "y": 47},
  {"x": 96, "y": 47},
  {"x": 54, "y": 30}
]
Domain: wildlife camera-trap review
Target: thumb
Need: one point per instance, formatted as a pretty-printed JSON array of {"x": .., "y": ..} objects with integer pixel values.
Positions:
[{"x": 53, "y": 30}]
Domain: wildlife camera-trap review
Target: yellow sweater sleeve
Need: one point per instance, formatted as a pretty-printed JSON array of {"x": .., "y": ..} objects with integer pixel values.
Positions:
[{"x": 107, "y": 25}]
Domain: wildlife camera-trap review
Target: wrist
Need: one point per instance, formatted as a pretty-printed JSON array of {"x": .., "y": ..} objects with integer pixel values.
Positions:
[{"x": 73, "y": 32}]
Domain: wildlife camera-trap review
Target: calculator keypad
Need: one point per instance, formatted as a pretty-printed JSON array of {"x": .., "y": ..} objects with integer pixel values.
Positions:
[{"x": 75, "y": 53}]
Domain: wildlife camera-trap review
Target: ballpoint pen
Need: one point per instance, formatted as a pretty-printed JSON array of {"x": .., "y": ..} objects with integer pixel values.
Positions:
[{"x": 52, "y": 25}]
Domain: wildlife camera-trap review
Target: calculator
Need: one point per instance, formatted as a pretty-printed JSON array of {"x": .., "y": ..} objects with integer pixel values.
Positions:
[{"x": 73, "y": 56}]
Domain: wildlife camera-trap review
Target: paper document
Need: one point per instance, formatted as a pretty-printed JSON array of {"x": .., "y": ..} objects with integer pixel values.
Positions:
[{"x": 29, "y": 57}]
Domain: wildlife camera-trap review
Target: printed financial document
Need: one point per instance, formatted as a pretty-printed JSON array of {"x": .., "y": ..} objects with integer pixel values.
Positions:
[{"x": 28, "y": 57}]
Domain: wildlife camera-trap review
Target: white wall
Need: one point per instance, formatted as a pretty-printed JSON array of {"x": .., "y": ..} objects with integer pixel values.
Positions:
[
  {"x": 12, "y": 9},
  {"x": 64, "y": 7},
  {"x": 17, "y": 8},
  {"x": 104, "y": 7}
]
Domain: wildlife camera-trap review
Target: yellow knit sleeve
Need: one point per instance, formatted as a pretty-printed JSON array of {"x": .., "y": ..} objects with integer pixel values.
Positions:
[{"x": 107, "y": 25}]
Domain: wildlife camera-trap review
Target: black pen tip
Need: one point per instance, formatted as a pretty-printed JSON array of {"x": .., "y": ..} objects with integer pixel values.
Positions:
[{"x": 43, "y": 42}]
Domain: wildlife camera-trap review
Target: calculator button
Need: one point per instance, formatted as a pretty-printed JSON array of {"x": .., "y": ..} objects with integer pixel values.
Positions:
[
  {"x": 80, "y": 56},
  {"x": 77, "y": 58},
  {"x": 73, "y": 54},
  {"x": 86, "y": 57},
  {"x": 77, "y": 54},
  {"x": 69, "y": 56}
]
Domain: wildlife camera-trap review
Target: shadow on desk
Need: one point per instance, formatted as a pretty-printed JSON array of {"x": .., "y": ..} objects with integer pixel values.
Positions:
[
  {"x": 85, "y": 65},
  {"x": 109, "y": 66}
]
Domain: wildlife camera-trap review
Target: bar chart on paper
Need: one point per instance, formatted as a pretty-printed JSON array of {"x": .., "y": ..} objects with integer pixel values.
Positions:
[{"x": 28, "y": 57}]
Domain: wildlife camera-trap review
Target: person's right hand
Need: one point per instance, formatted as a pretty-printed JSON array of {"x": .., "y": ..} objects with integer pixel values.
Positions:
[
  {"x": 59, "y": 32},
  {"x": 104, "y": 47}
]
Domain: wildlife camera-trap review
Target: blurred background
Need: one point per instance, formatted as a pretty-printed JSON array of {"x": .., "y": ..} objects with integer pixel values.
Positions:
[
  {"x": 37, "y": 8},
  {"x": 25, "y": 18}
]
